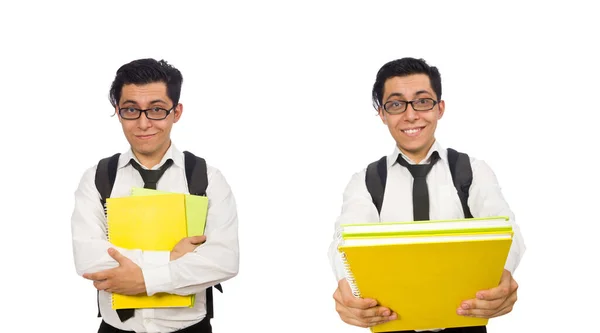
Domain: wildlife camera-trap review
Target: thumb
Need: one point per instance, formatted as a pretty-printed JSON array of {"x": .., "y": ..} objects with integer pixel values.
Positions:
[
  {"x": 197, "y": 239},
  {"x": 116, "y": 255}
]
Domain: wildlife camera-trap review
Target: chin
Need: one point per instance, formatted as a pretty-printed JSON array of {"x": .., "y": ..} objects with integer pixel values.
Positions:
[{"x": 145, "y": 150}]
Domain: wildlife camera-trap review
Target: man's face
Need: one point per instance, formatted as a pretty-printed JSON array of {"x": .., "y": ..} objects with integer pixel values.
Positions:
[
  {"x": 147, "y": 137},
  {"x": 413, "y": 130}
]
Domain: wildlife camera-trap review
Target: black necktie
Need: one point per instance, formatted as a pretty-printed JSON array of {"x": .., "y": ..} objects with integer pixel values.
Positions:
[
  {"x": 420, "y": 192},
  {"x": 150, "y": 178}
]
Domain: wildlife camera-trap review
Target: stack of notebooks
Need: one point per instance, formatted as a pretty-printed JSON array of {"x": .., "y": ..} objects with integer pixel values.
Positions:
[
  {"x": 424, "y": 270},
  {"x": 152, "y": 220}
]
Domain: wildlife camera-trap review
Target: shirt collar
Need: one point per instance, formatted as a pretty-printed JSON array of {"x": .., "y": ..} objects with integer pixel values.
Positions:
[
  {"x": 391, "y": 160},
  {"x": 171, "y": 153}
]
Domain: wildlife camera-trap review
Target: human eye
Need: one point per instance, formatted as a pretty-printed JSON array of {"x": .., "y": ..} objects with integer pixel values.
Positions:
[
  {"x": 395, "y": 105},
  {"x": 129, "y": 109}
]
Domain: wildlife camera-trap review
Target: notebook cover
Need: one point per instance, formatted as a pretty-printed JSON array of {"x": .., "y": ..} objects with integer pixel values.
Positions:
[
  {"x": 425, "y": 283},
  {"x": 149, "y": 223}
]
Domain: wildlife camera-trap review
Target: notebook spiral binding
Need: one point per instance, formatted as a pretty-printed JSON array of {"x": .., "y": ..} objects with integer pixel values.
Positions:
[
  {"x": 350, "y": 276},
  {"x": 106, "y": 217}
]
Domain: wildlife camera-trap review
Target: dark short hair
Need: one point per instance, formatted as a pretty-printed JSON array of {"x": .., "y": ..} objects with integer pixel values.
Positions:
[
  {"x": 404, "y": 67},
  {"x": 145, "y": 71}
]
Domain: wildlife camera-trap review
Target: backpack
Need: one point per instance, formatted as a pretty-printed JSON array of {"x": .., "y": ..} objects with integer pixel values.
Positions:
[
  {"x": 197, "y": 180},
  {"x": 460, "y": 169}
]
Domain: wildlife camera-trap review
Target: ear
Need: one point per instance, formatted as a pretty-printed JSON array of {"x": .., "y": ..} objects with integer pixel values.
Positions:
[
  {"x": 382, "y": 115},
  {"x": 177, "y": 112},
  {"x": 442, "y": 108},
  {"x": 117, "y": 113}
]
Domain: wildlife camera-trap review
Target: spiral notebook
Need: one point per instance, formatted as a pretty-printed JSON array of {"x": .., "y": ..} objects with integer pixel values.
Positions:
[
  {"x": 423, "y": 270},
  {"x": 154, "y": 221}
]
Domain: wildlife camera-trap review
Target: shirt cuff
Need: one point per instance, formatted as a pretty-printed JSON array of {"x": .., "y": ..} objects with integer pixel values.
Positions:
[
  {"x": 157, "y": 279},
  {"x": 156, "y": 258},
  {"x": 511, "y": 263}
]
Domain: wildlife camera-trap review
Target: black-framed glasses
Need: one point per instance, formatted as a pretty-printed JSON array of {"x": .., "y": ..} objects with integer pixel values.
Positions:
[
  {"x": 419, "y": 104},
  {"x": 154, "y": 113}
]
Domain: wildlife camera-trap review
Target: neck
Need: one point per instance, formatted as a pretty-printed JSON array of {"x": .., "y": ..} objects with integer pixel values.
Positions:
[
  {"x": 417, "y": 155},
  {"x": 149, "y": 160}
]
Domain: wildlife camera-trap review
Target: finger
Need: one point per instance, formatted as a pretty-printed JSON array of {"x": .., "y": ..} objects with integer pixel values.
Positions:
[
  {"x": 484, "y": 313},
  {"x": 491, "y": 309},
  {"x": 101, "y": 285},
  {"x": 374, "y": 312},
  {"x": 352, "y": 320},
  {"x": 481, "y": 304},
  {"x": 504, "y": 288},
  {"x": 197, "y": 239},
  {"x": 349, "y": 300},
  {"x": 117, "y": 256},
  {"x": 98, "y": 276}
]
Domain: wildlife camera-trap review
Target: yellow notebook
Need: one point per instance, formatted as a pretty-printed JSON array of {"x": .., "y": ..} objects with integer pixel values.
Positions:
[
  {"x": 424, "y": 277},
  {"x": 153, "y": 223},
  {"x": 196, "y": 208}
]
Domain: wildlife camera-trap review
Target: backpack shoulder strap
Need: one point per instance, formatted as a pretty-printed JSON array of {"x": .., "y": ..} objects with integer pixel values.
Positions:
[
  {"x": 106, "y": 172},
  {"x": 195, "y": 172},
  {"x": 462, "y": 176},
  {"x": 375, "y": 180},
  {"x": 197, "y": 179}
]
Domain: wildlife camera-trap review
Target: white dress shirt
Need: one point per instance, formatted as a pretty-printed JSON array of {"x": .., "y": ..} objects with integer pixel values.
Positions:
[
  {"x": 485, "y": 199},
  {"x": 213, "y": 262}
]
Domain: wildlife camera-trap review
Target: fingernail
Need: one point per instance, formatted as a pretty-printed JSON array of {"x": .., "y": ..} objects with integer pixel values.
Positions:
[
  {"x": 386, "y": 313},
  {"x": 465, "y": 306},
  {"x": 461, "y": 311},
  {"x": 479, "y": 296},
  {"x": 394, "y": 316}
]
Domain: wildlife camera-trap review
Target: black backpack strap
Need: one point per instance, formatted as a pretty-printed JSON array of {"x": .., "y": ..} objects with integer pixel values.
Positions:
[
  {"x": 462, "y": 176},
  {"x": 195, "y": 172},
  {"x": 375, "y": 179},
  {"x": 106, "y": 172}
]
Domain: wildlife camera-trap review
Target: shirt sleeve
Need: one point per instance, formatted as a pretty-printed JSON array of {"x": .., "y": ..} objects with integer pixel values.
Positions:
[
  {"x": 357, "y": 207},
  {"x": 486, "y": 199},
  {"x": 89, "y": 230},
  {"x": 214, "y": 261}
]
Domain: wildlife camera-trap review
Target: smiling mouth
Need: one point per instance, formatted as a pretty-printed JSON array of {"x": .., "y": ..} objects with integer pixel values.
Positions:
[
  {"x": 413, "y": 131},
  {"x": 144, "y": 137}
]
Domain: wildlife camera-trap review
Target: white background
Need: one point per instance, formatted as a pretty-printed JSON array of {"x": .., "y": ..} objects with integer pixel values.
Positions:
[{"x": 277, "y": 96}]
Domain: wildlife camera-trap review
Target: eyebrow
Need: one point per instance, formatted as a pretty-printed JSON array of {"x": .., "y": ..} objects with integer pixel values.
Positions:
[
  {"x": 402, "y": 95},
  {"x": 151, "y": 102}
]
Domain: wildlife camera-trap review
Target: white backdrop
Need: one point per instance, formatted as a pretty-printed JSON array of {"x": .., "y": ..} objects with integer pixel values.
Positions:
[{"x": 277, "y": 96}]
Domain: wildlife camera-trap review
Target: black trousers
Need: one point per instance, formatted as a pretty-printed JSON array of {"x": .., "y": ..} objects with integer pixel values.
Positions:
[
  {"x": 201, "y": 327},
  {"x": 472, "y": 329}
]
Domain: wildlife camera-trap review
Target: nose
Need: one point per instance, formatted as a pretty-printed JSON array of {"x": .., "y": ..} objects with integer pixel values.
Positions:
[
  {"x": 410, "y": 114},
  {"x": 143, "y": 122}
]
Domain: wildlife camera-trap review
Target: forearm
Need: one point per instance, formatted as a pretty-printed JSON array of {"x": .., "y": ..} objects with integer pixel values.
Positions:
[
  {"x": 211, "y": 263},
  {"x": 92, "y": 256}
]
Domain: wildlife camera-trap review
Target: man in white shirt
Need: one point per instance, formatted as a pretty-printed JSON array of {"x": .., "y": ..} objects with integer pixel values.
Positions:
[
  {"x": 407, "y": 95},
  {"x": 145, "y": 94}
]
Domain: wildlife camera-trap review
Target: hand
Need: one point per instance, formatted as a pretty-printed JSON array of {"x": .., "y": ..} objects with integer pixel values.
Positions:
[
  {"x": 186, "y": 245},
  {"x": 127, "y": 279},
  {"x": 358, "y": 311},
  {"x": 493, "y": 302}
]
